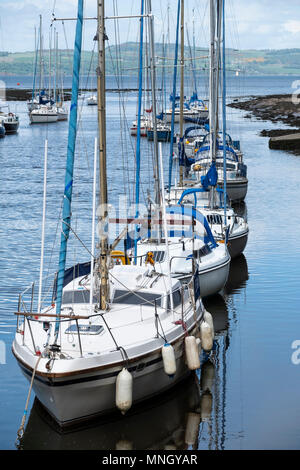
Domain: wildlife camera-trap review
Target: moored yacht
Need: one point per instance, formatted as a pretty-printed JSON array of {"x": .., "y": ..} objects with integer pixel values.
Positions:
[
  {"x": 43, "y": 114},
  {"x": 226, "y": 226},
  {"x": 62, "y": 113},
  {"x": 191, "y": 245},
  {"x": 236, "y": 170},
  {"x": 92, "y": 100},
  {"x": 76, "y": 379},
  {"x": 145, "y": 123}
]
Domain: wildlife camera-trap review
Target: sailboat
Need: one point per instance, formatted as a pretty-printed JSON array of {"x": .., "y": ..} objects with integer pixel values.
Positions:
[
  {"x": 210, "y": 196},
  {"x": 114, "y": 334},
  {"x": 193, "y": 247},
  {"x": 236, "y": 170},
  {"x": 231, "y": 229},
  {"x": 41, "y": 107},
  {"x": 218, "y": 149},
  {"x": 62, "y": 112}
]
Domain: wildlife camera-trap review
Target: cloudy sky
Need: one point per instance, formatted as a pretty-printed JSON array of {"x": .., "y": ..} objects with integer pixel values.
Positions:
[{"x": 251, "y": 24}]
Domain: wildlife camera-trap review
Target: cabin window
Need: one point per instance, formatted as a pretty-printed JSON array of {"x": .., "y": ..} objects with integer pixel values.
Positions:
[
  {"x": 214, "y": 219},
  {"x": 78, "y": 297},
  {"x": 143, "y": 298},
  {"x": 176, "y": 299},
  {"x": 205, "y": 250}
]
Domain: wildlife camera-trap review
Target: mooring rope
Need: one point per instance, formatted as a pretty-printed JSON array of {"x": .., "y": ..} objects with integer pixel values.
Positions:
[{"x": 20, "y": 431}]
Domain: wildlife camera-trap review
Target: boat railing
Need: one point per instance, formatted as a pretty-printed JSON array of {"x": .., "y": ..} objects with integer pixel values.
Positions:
[
  {"x": 33, "y": 299},
  {"x": 49, "y": 319}
]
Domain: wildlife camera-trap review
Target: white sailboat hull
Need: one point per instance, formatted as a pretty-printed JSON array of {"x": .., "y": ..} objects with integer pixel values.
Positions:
[
  {"x": 196, "y": 115},
  {"x": 84, "y": 396},
  {"x": 76, "y": 380},
  {"x": 212, "y": 279},
  {"x": 43, "y": 118},
  {"x": 79, "y": 389},
  {"x": 62, "y": 115}
]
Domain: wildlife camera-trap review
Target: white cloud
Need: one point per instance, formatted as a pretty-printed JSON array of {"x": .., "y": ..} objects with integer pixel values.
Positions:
[
  {"x": 292, "y": 26},
  {"x": 251, "y": 24}
]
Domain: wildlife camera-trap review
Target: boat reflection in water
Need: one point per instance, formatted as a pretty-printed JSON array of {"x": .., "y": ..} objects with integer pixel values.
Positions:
[
  {"x": 238, "y": 276},
  {"x": 190, "y": 416}
]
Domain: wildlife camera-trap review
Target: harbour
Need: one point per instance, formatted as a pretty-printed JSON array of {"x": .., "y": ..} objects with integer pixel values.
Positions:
[
  {"x": 258, "y": 315},
  {"x": 245, "y": 393}
]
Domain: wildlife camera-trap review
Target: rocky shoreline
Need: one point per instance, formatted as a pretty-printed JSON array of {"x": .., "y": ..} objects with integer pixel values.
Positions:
[{"x": 275, "y": 108}]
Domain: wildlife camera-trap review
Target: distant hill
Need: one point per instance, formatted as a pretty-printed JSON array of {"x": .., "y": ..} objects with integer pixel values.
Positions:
[{"x": 125, "y": 58}]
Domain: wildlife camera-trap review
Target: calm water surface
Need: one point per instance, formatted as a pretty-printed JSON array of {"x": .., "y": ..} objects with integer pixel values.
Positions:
[{"x": 253, "y": 399}]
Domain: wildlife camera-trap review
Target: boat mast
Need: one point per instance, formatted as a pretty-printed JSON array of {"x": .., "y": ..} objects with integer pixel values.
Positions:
[
  {"x": 50, "y": 62},
  {"x": 66, "y": 214},
  {"x": 194, "y": 52},
  {"x": 181, "y": 87},
  {"x": 36, "y": 46},
  {"x": 215, "y": 26},
  {"x": 212, "y": 83},
  {"x": 224, "y": 113},
  {"x": 104, "y": 249},
  {"x": 154, "y": 111},
  {"x": 40, "y": 84},
  {"x": 174, "y": 97},
  {"x": 218, "y": 61},
  {"x": 56, "y": 67},
  {"x": 138, "y": 136}
]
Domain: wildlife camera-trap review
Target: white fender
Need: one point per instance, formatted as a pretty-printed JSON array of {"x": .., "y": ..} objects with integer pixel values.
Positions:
[
  {"x": 209, "y": 319},
  {"x": 206, "y": 336},
  {"x": 169, "y": 361},
  {"x": 192, "y": 353},
  {"x": 124, "y": 390}
]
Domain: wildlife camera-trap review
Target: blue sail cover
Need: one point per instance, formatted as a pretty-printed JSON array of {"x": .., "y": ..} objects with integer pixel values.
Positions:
[
  {"x": 190, "y": 129},
  {"x": 211, "y": 177},
  {"x": 204, "y": 148},
  {"x": 193, "y": 213},
  {"x": 66, "y": 216},
  {"x": 171, "y": 97},
  {"x": 193, "y": 191},
  {"x": 194, "y": 97},
  {"x": 80, "y": 269}
]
